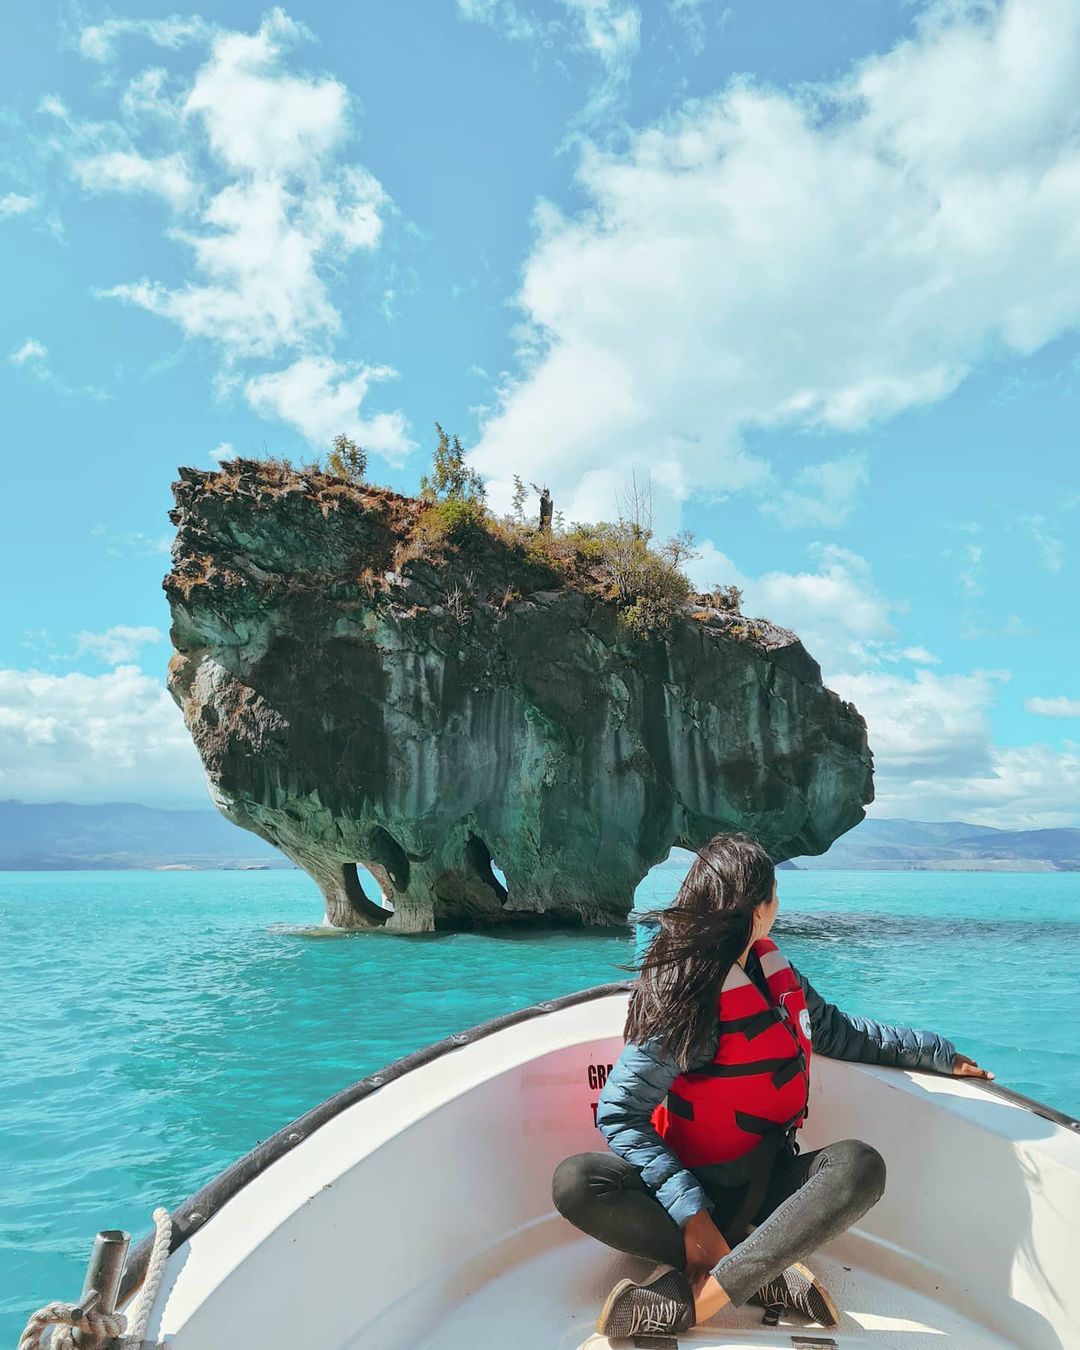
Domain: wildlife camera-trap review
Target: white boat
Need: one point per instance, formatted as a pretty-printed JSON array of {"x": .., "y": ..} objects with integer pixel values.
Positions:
[{"x": 414, "y": 1210}]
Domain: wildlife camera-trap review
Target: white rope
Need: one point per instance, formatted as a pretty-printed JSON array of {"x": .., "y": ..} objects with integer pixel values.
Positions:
[
  {"x": 97, "y": 1328},
  {"x": 139, "y": 1315},
  {"x": 66, "y": 1318}
]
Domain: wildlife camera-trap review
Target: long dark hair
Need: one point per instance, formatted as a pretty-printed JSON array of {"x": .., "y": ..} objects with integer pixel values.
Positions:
[{"x": 701, "y": 933}]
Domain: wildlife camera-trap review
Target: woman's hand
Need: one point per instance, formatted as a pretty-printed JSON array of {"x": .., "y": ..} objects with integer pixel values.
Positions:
[
  {"x": 705, "y": 1245},
  {"x": 964, "y": 1066}
]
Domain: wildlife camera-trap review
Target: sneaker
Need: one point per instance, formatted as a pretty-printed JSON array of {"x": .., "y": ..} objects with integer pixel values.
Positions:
[
  {"x": 798, "y": 1288},
  {"x": 662, "y": 1302}
]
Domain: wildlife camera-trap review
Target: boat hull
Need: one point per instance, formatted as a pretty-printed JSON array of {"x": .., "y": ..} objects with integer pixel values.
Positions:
[{"x": 420, "y": 1213}]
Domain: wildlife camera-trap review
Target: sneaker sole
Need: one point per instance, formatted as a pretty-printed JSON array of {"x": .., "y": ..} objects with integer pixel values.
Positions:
[
  {"x": 621, "y": 1288},
  {"x": 818, "y": 1292}
]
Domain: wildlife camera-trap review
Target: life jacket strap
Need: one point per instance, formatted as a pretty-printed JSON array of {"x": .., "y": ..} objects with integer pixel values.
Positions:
[
  {"x": 754, "y": 1024},
  {"x": 783, "y": 1070},
  {"x": 763, "y": 1126},
  {"x": 791, "y": 1070},
  {"x": 679, "y": 1106},
  {"x": 762, "y": 1161}
]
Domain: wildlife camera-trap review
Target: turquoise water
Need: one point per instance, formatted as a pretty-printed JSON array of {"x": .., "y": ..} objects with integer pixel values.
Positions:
[{"x": 156, "y": 1025}]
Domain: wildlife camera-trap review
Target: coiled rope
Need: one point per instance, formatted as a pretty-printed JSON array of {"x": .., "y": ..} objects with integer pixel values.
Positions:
[{"x": 51, "y": 1327}]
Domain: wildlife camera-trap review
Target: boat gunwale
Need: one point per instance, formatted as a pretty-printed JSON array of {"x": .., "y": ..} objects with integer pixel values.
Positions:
[{"x": 190, "y": 1216}]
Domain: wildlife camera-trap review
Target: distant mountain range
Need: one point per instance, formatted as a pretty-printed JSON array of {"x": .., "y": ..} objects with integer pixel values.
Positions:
[
  {"x": 949, "y": 846},
  {"x": 61, "y": 836}
]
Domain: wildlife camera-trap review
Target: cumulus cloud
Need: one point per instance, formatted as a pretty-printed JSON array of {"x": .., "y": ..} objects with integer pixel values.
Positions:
[
  {"x": 282, "y": 210},
  {"x": 321, "y": 398},
  {"x": 611, "y": 29},
  {"x": 116, "y": 645},
  {"x": 822, "y": 494},
  {"x": 1020, "y": 787},
  {"x": 94, "y": 738},
  {"x": 29, "y": 353},
  {"x": 835, "y": 607},
  {"x": 15, "y": 204},
  {"x": 927, "y": 725},
  {"x": 126, "y": 171},
  {"x": 98, "y": 40},
  {"x": 252, "y": 159},
  {"x": 921, "y": 656},
  {"x": 223, "y": 452},
  {"x": 1054, "y": 707},
  {"x": 930, "y": 730},
  {"x": 825, "y": 258}
]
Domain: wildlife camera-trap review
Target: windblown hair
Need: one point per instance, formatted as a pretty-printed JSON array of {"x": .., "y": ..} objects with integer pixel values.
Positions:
[{"x": 701, "y": 933}]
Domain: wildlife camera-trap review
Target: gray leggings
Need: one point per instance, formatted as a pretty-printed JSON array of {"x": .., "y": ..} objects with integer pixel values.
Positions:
[{"x": 810, "y": 1199}]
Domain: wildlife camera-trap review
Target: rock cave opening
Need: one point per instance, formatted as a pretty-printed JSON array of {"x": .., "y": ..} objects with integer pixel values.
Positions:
[
  {"x": 386, "y": 851},
  {"x": 365, "y": 894},
  {"x": 479, "y": 858},
  {"x": 660, "y": 884}
]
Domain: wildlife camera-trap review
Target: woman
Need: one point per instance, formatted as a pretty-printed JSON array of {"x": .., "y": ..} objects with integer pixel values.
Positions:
[{"x": 701, "y": 1111}]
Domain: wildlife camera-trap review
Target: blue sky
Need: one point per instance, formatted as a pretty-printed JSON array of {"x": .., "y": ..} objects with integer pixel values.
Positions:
[{"x": 815, "y": 269}]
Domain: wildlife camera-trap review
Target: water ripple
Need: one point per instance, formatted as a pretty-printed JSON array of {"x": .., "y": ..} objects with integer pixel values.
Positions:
[{"x": 156, "y": 1025}]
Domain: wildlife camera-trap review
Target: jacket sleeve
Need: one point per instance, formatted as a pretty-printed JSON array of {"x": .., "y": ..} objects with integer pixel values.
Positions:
[
  {"x": 839, "y": 1035},
  {"x": 635, "y": 1086}
]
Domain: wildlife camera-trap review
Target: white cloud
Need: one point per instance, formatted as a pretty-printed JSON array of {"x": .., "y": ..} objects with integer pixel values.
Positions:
[
  {"x": 1013, "y": 627},
  {"x": 1021, "y": 787},
  {"x": 837, "y": 610},
  {"x": 258, "y": 118},
  {"x": 94, "y": 738},
  {"x": 252, "y": 158},
  {"x": 117, "y": 645},
  {"x": 53, "y": 106},
  {"x": 31, "y": 352},
  {"x": 223, "y": 452},
  {"x": 929, "y": 725},
  {"x": 930, "y": 731},
  {"x": 97, "y": 40},
  {"x": 969, "y": 577},
  {"x": 285, "y": 212},
  {"x": 607, "y": 29},
  {"x": 33, "y": 356},
  {"x": 824, "y": 258},
  {"x": 15, "y": 204},
  {"x": 1051, "y": 546},
  {"x": 1054, "y": 707},
  {"x": 691, "y": 15},
  {"x": 120, "y": 542},
  {"x": 125, "y": 171},
  {"x": 504, "y": 15},
  {"x": 821, "y": 494},
  {"x": 921, "y": 656},
  {"x": 264, "y": 292},
  {"x": 322, "y": 398},
  {"x": 611, "y": 29}
]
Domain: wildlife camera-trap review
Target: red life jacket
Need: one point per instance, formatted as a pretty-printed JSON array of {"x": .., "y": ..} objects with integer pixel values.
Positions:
[{"x": 756, "y": 1090}]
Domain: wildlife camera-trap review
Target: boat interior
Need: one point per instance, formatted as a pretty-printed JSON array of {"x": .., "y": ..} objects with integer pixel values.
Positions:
[{"x": 420, "y": 1215}]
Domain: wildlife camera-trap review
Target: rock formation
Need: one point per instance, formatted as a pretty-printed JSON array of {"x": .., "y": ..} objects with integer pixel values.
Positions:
[{"x": 428, "y": 713}]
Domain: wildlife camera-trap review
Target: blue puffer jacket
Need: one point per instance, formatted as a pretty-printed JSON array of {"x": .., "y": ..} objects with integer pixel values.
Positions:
[{"x": 643, "y": 1074}]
